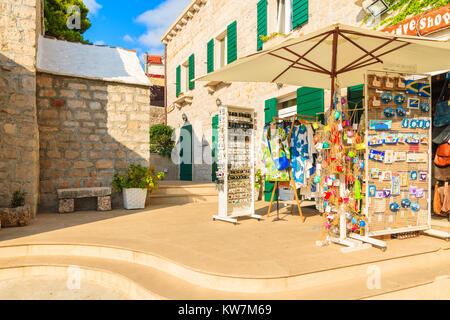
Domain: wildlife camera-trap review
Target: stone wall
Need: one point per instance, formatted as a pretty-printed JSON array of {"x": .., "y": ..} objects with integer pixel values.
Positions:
[
  {"x": 209, "y": 22},
  {"x": 89, "y": 130},
  {"x": 20, "y": 23}
]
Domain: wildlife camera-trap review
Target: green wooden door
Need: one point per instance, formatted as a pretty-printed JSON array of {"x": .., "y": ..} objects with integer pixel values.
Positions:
[
  {"x": 310, "y": 102},
  {"x": 215, "y": 136},
  {"x": 186, "y": 153},
  {"x": 355, "y": 97}
]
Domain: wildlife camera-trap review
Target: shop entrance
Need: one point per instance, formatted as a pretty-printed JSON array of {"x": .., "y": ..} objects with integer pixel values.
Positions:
[{"x": 186, "y": 153}]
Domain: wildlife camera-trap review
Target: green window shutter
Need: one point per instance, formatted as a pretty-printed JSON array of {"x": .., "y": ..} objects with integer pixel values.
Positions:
[
  {"x": 310, "y": 101},
  {"x": 355, "y": 97},
  {"x": 262, "y": 22},
  {"x": 232, "y": 42},
  {"x": 191, "y": 72},
  {"x": 299, "y": 13},
  {"x": 210, "y": 56},
  {"x": 270, "y": 110},
  {"x": 178, "y": 86}
]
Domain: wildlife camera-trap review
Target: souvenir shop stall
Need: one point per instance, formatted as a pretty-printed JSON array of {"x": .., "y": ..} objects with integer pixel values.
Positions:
[
  {"x": 398, "y": 171},
  {"x": 441, "y": 149},
  {"x": 371, "y": 175}
]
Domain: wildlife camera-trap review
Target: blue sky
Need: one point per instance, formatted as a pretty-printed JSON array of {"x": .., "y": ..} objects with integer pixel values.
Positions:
[{"x": 132, "y": 24}]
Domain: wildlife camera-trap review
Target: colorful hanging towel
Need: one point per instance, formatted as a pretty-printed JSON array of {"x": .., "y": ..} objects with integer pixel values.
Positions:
[{"x": 273, "y": 143}]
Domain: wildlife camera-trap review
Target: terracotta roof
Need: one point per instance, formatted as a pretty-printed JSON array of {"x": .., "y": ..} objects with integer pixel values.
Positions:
[{"x": 155, "y": 59}]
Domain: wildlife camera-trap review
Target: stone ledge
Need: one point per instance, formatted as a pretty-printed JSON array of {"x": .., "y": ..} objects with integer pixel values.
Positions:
[
  {"x": 77, "y": 193},
  {"x": 15, "y": 217}
]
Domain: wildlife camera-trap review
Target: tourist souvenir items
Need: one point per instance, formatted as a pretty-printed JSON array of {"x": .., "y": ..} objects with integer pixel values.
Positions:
[
  {"x": 427, "y": 124},
  {"x": 380, "y": 124},
  {"x": 421, "y": 124},
  {"x": 395, "y": 207},
  {"x": 386, "y": 176},
  {"x": 389, "y": 112},
  {"x": 400, "y": 99},
  {"x": 413, "y": 124},
  {"x": 415, "y": 207},
  {"x": 375, "y": 81},
  {"x": 389, "y": 156},
  {"x": 424, "y": 138},
  {"x": 413, "y": 103},
  {"x": 423, "y": 176},
  {"x": 372, "y": 191},
  {"x": 416, "y": 157},
  {"x": 402, "y": 137},
  {"x": 376, "y": 155},
  {"x": 401, "y": 112},
  {"x": 389, "y": 83},
  {"x": 399, "y": 156},
  {"x": 403, "y": 179},
  {"x": 424, "y": 107},
  {"x": 412, "y": 86},
  {"x": 390, "y": 138},
  {"x": 379, "y": 194},
  {"x": 386, "y": 98},
  {"x": 413, "y": 175},
  {"x": 400, "y": 84},
  {"x": 420, "y": 193},
  {"x": 387, "y": 193},
  {"x": 405, "y": 123},
  {"x": 375, "y": 173},
  {"x": 424, "y": 89},
  {"x": 375, "y": 140},
  {"x": 414, "y": 138},
  {"x": 412, "y": 190},
  {"x": 406, "y": 203}
]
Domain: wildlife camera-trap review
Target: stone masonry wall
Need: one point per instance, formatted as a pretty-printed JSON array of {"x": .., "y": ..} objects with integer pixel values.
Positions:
[
  {"x": 89, "y": 130},
  {"x": 20, "y": 23},
  {"x": 207, "y": 23}
]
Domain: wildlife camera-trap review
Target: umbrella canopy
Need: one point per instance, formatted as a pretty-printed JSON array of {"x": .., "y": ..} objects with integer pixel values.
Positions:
[{"x": 338, "y": 52}]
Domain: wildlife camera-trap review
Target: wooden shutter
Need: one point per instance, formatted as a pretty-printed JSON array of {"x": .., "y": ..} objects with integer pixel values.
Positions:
[
  {"x": 178, "y": 85},
  {"x": 210, "y": 56},
  {"x": 232, "y": 42},
  {"x": 262, "y": 22},
  {"x": 310, "y": 101},
  {"x": 299, "y": 13},
  {"x": 191, "y": 72}
]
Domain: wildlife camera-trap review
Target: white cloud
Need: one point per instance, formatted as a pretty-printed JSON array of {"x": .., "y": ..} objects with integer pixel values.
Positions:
[
  {"x": 157, "y": 21},
  {"x": 99, "y": 43},
  {"x": 93, "y": 6},
  {"x": 128, "y": 38}
]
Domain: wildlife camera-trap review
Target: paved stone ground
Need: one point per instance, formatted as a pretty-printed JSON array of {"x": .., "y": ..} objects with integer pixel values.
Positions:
[{"x": 187, "y": 235}]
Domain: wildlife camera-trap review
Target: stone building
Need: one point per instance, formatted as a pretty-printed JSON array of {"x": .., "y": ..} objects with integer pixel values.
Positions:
[
  {"x": 155, "y": 71},
  {"x": 71, "y": 115},
  {"x": 212, "y": 33}
]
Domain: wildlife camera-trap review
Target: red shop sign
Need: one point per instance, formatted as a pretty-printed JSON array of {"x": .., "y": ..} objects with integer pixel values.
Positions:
[{"x": 422, "y": 24}]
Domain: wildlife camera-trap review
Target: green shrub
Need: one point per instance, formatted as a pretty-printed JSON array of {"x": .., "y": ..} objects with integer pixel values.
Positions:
[
  {"x": 138, "y": 176},
  {"x": 161, "y": 140},
  {"x": 18, "y": 199}
]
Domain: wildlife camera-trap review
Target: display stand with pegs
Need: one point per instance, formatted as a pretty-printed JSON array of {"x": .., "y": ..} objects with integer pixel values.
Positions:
[{"x": 297, "y": 117}]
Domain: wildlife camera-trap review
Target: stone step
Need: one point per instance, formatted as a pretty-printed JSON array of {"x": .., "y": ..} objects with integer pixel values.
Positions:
[
  {"x": 180, "y": 192},
  {"x": 155, "y": 277},
  {"x": 126, "y": 280}
]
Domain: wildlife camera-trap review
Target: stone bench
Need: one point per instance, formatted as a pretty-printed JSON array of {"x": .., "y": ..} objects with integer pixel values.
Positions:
[{"x": 66, "y": 198}]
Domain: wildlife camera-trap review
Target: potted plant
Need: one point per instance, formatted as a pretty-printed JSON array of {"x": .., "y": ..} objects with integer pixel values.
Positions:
[
  {"x": 18, "y": 214},
  {"x": 135, "y": 184}
]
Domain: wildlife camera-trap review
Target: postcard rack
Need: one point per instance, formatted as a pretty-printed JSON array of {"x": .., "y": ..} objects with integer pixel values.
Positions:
[
  {"x": 236, "y": 158},
  {"x": 398, "y": 157}
]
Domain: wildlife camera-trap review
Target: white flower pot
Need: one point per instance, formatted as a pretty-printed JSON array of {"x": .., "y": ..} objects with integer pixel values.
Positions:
[{"x": 134, "y": 198}]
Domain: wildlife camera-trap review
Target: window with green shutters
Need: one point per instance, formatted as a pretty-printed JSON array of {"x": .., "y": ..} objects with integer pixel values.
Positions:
[
  {"x": 299, "y": 13},
  {"x": 310, "y": 101},
  {"x": 178, "y": 83},
  {"x": 232, "y": 42},
  {"x": 191, "y": 72},
  {"x": 355, "y": 97},
  {"x": 210, "y": 56},
  {"x": 262, "y": 22}
]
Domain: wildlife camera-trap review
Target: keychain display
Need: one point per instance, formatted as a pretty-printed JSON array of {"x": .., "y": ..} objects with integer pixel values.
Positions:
[{"x": 399, "y": 153}]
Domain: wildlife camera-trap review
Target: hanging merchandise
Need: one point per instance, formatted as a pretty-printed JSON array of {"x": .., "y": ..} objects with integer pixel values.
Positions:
[
  {"x": 442, "y": 117},
  {"x": 400, "y": 154},
  {"x": 236, "y": 172},
  {"x": 274, "y": 144}
]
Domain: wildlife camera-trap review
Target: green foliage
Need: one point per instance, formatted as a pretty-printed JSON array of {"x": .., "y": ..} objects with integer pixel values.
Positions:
[
  {"x": 264, "y": 39},
  {"x": 138, "y": 177},
  {"x": 55, "y": 20},
  {"x": 18, "y": 199},
  {"x": 161, "y": 140},
  {"x": 258, "y": 179},
  {"x": 404, "y": 9}
]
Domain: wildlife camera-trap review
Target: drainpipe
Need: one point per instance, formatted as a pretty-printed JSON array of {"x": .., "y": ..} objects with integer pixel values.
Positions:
[{"x": 165, "y": 84}]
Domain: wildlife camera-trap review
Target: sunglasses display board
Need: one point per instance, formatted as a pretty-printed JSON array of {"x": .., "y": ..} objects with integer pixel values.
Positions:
[
  {"x": 398, "y": 157},
  {"x": 236, "y": 159}
]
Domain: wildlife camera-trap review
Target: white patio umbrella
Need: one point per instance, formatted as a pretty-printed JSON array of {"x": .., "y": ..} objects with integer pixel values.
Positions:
[{"x": 337, "y": 52}]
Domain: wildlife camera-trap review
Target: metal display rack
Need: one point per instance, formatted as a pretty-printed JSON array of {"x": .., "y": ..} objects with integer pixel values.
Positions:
[{"x": 236, "y": 158}]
